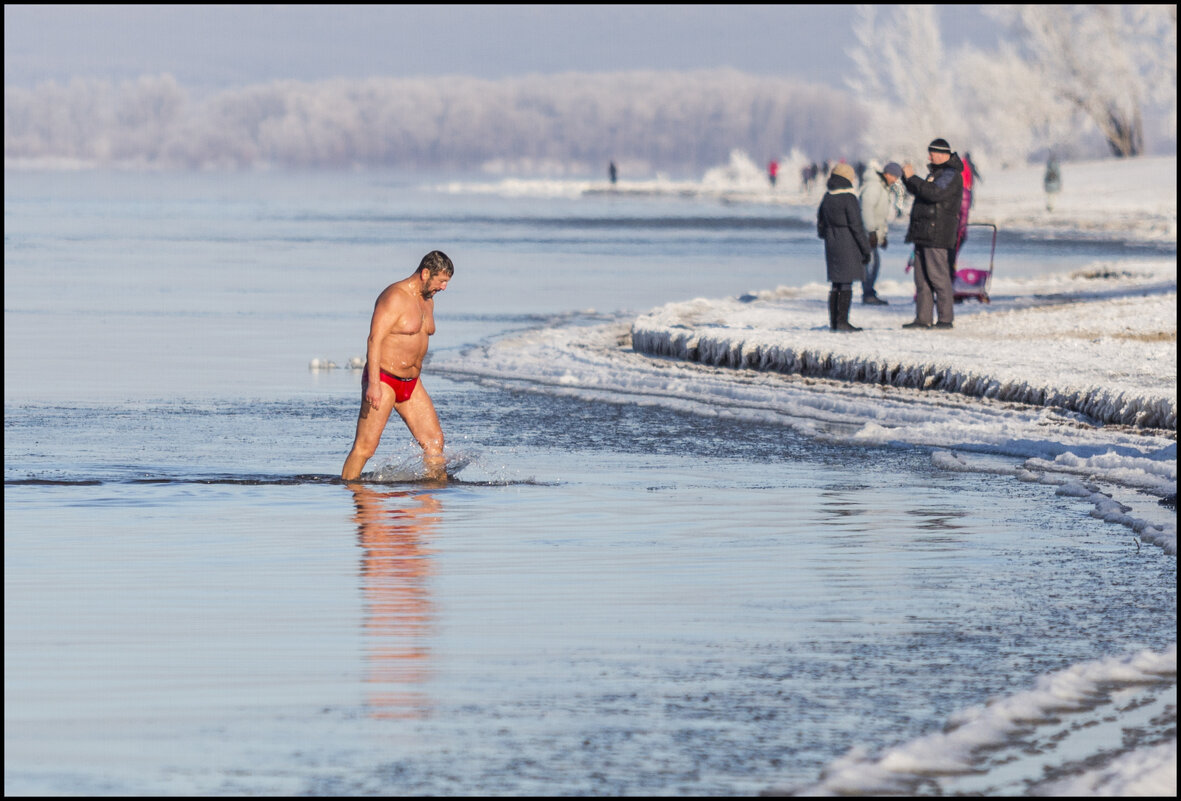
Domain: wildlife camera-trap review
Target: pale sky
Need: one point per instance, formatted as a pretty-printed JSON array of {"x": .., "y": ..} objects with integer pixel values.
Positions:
[{"x": 219, "y": 46}]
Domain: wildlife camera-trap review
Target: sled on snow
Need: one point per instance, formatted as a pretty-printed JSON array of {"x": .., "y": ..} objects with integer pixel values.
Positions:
[{"x": 971, "y": 280}]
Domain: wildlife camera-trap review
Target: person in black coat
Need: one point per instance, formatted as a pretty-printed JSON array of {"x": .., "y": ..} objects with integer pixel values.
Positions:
[
  {"x": 846, "y": 245},
  {"x": 934, "y": 224}
]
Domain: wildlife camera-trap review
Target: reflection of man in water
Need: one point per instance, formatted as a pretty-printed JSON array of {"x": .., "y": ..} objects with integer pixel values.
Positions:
[
  {"x": 403, "y": 321},
  {"x": 392, "y": 529}
]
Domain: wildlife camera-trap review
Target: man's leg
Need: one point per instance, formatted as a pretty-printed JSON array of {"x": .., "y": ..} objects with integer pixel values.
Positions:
[
  {"x": 418, "y": 412},
  {"x": 939, "y": 275},
  {"x": 370, "y": 424},
  {"x": 923, "y": 302}
]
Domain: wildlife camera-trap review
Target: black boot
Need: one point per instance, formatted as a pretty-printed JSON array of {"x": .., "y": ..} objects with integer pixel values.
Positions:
[
  {"x": 844, "y": 301},
  {"x": 833, "y": 295}
]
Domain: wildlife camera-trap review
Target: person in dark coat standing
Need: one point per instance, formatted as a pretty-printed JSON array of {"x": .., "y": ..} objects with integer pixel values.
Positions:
[
  {"x": 934, "y": 222},
  {"x": 846, "y": 245}
]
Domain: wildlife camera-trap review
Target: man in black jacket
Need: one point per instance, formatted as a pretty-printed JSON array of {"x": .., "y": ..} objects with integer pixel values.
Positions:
[{"x": 934, "y": 218}]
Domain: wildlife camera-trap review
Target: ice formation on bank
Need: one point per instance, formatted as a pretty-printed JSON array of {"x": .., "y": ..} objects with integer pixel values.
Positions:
[
  {"x": 1090, "y": 346},
  {"x": 971, "y": 734}
]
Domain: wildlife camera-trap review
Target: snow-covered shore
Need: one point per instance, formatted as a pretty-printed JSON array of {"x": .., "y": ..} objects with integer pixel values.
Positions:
[
  {"x": 972, "y": 737},
  {"x": 1100, "y": 341},
  {"x": 1074, "y": 375},
  {"x": 1097, "y": 343}
]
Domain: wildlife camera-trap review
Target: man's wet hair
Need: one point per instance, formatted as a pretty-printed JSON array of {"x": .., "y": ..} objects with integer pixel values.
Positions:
[{"x": 437, "y": 262}]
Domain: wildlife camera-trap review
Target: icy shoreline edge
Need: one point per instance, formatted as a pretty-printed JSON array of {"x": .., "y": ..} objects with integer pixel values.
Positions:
[{"x": 722, "y": 350}]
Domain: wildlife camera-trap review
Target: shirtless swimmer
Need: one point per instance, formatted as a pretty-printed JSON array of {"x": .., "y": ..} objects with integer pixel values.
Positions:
[{"x": 403, "y": 321}]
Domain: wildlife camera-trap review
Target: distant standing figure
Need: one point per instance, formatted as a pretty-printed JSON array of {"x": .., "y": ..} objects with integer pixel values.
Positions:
[
  {"x": 612, "y": 173},
  {"x": 971, "y": 165},
  {"x": 967, "y": 175},
  {"x": 876, "y": 210},
  {"x": 846, "y": 245},
  {"x": 773, "y": 171},
  {"x": 403, "y": 322},
  {"x": 934, "y": 218},
  {"x": 1052, "y": 182}
]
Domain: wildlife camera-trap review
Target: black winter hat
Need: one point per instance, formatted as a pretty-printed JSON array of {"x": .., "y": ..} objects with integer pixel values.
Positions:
[{"x": 939, "y": 146}]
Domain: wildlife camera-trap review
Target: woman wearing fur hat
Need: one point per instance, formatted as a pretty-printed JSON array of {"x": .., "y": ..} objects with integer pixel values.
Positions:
[{"x": 846, "y": 245}]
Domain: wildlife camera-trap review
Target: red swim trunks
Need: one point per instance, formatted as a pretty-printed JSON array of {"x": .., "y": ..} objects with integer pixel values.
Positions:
[{"x": 403, "y": 387}]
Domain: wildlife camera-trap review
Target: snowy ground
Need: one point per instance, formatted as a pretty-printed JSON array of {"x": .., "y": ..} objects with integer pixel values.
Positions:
[
  {"x": 1100, "y": 341},
  {"x": 1068, "y": 379},
  {"x": 1056, "y": 698},
  {"x": 1126, "y": 199}
]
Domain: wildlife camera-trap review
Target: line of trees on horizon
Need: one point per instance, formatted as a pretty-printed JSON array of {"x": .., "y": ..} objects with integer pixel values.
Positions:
[
  {"x": 665, "y": 120},
  {"x": 1070, "y": 79}
]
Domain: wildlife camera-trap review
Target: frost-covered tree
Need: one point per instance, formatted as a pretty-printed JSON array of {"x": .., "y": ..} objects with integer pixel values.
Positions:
[
  {"x": 1067, "y": 72},
  {"x": 1106, "y": 60},
  {"x": 1158, "y": 28},
  {"x": 1011, "y": 113},
  {"x": 578, "y": 121},
  {"x": 905, "y": 80}
]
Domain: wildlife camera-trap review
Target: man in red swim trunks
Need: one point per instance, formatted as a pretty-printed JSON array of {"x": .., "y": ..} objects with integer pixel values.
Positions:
[{"x": 403, "y": 320}]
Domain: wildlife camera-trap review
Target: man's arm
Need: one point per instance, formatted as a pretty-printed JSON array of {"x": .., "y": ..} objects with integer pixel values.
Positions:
[
  {"x": 944, "y": 187},
  {"x": 384, "y": 317}
]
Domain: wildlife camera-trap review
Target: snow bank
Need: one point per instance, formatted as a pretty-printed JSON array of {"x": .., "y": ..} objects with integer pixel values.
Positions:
[
  {"x": 1072, "y": 374},
  {"x": 591, "y": 360},
  {"x": 1102, "y": 347},
  {"x": 1132, "y": 199},
  {"x": 972, "y": 733},
  {"x": 1148, "y": 772}
]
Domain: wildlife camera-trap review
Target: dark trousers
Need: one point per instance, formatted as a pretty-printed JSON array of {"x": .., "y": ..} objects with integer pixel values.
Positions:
[
  {"x": 871, "y": 274},
  {"x": 932, "y": 284}
]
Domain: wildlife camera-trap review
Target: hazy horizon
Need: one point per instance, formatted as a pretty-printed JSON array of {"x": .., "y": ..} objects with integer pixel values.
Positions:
[
  {"x": 549, "y": 88},
  {"x": 216, "y": 47}
]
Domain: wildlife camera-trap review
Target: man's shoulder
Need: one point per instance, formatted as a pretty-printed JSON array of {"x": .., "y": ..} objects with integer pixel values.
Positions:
[
  {"x": 394, "y": 295},
  {"x": 945, "y": 175}
]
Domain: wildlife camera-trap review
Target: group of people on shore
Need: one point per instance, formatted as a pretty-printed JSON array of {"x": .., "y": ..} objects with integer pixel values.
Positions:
[
  {"x": 854, "y": 227},
  {"x": 809, "y": 173}
]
